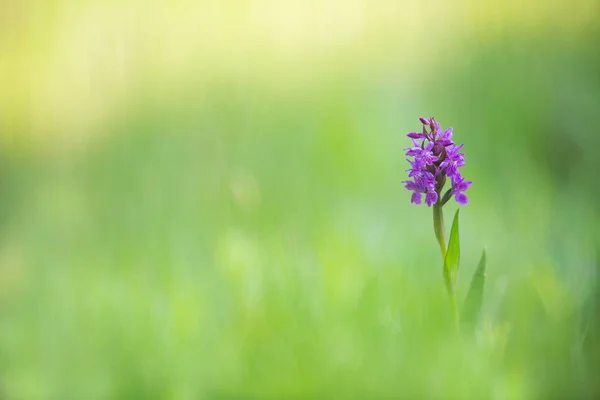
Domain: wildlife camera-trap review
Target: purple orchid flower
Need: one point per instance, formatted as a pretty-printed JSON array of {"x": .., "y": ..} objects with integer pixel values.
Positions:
[{"x": 435, "y": 157}]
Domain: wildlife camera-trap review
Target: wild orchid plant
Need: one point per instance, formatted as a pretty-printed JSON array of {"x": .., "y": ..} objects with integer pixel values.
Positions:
[{"x": 436, "y": 159}]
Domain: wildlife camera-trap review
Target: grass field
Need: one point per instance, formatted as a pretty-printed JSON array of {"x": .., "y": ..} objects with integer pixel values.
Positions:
[{"x": 205, "y": 201}]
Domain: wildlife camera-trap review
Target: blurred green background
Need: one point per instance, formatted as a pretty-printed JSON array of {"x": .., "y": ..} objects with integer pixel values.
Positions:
[{"x": 203, "y": 199}]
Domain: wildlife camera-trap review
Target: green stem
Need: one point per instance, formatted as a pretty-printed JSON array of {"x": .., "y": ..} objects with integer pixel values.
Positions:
[
  {"x": 438, "y": 227},
  {"x": 454, "y": 309}
]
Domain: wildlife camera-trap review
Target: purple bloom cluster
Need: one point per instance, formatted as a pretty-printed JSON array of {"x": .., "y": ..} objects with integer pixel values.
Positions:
[{"x": 435, "y": 158}]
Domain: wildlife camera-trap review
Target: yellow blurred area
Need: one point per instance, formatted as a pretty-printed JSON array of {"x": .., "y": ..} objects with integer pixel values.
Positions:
[{"x": 67, "y": 66}]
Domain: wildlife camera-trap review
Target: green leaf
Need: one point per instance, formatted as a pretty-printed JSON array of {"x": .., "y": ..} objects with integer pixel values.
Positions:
[
  {"x": 452, "y": 259},
  {"x": 474, "y": 299}
]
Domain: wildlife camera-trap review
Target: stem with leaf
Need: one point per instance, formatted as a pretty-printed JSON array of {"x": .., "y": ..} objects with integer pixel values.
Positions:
[{"x": 450, "y": 256}]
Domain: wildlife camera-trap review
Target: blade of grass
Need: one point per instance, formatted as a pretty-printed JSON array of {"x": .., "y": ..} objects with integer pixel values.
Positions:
[
  {"x": 451, "y": 264},
  {"x": 452, "y": 259},
  {"x": 474, "y": 299}
]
